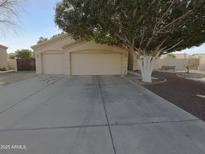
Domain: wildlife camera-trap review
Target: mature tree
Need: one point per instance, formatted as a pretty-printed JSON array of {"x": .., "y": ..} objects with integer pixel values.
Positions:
[
  {"x": 24, "y": 54},
  {"x": 42, "y": 39},
  {"x": 148, "y": 28},
  {"x": 8, "y": 10},
  {"x": 12, "y": 55}
]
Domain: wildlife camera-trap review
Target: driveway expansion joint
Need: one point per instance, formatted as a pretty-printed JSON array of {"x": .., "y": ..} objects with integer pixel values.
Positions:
[
  {"x": 97, "y": 125},
  {"x": 53, "y": 128},
  {"x": 106, "y": 114},
  {"x": 154, "y": 122}
]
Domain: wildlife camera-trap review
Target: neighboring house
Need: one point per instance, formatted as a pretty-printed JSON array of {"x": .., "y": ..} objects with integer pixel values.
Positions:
[
  {"x": 198, "y": 55},
  {"x": 64, "y": 55},
  {"x": 182, "y": 56},
  {"x": 201, "y": 61},
  {"x": 178, "y": 61},
  {"x": 202, "y": 64},
  {"x": 3, "y": 58}
]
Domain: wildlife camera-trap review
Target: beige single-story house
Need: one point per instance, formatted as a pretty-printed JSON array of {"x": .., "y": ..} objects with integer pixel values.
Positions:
[
  {"x": 64, "y": 55},
  {"x": 3, "y": 57}
]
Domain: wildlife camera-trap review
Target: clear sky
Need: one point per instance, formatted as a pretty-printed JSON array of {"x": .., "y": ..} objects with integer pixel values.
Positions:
[{"x": 37, "y": 19}]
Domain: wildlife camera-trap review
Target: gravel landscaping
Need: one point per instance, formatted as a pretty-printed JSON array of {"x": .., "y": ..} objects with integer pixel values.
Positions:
[{"x": 184, "y": 93}]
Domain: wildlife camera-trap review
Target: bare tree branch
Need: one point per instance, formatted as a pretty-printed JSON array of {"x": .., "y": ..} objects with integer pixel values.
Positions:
[
  {"x": 166, "y": 12},
  {"x": 155, "y": 32},
  {"x": 8, "y": 10},
  {"x": 176, "y": 20},
  {"x": 174, "y": 45},
  {"x": 124, "y": 39},
  {"x": 166, "y": 29},
  {"x": 142, "y": 32}
]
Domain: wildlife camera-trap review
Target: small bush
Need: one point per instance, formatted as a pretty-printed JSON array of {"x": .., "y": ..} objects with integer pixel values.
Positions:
[{"x": 3, "y": 69}]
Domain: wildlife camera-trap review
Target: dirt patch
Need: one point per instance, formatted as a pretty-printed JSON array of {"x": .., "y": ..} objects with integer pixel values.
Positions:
[{"x": 186, "y": 94}]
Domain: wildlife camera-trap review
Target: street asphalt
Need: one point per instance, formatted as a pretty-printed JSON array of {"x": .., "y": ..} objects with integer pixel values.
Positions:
[{"x": 51, "y": 114}]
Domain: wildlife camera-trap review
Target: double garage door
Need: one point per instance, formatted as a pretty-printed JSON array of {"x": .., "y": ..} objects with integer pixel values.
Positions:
[{"x": 83, "y": 64}]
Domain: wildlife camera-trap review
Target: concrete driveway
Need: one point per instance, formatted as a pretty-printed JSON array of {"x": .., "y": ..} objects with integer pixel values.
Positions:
[
  {"x": 93, "y": 115},
  {"x": 12, "y": 77}
]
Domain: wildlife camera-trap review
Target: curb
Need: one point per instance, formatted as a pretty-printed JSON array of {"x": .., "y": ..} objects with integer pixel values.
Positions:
[
  {"x": 10, "y": 71},
  {"x": 143, "y": 83},
  {"x": 187, "y": 78}
]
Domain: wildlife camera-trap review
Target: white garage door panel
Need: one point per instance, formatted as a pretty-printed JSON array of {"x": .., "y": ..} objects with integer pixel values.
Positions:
[
  {"x": 95, "y": 64},
  {"x": 53, "y": 64}
]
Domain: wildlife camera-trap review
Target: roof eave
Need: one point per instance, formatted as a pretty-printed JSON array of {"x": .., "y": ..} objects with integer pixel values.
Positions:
[
  {"x": 50, "y": 41},
  {"x": 4, "y": 47}
]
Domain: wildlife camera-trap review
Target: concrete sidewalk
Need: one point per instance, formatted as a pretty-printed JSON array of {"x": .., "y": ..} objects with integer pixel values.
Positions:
[{"x": 94, "y": 115}]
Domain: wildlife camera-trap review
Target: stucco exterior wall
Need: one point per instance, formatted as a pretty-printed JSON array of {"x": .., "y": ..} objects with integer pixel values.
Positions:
[
  {"x": 12, "y": 65},
  {"x": 54, "y": 46},
  {"x": 124, "y": 62},
  {"x": 135, "y": 64},
  {"x": 38, "y": 58},
  {"x": 83, "y": 46},
  {"x": 202, "y": 63},
  {"x": 3, "y": 57},
  {"x": 156, "y": 64},
  {"x": 180, "y": 64}
]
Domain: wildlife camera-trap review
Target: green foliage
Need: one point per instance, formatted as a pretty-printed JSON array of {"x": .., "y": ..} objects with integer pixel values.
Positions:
[
  {"x": 42, "y": 39},
  {"x": 54, "y": 36},
  {"x": 24, "y": 54},
  {"x": 171, "y": 56},
  {"x": 12, "y": 55},
  {"x": 148, "y": 27}
]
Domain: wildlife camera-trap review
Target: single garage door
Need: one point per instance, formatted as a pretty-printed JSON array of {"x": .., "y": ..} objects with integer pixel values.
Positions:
[
  {"x": 53, "y": 63},
  {"x": 96, "y": 64}
]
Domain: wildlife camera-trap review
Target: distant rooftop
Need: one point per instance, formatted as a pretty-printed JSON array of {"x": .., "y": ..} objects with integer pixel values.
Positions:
[{"x": 2, "y": 46}]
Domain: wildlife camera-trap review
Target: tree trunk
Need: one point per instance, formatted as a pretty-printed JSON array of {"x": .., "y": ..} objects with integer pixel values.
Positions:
[
  {"x": 146, "y": 66},
  {"x": 130, "y": 60}
]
